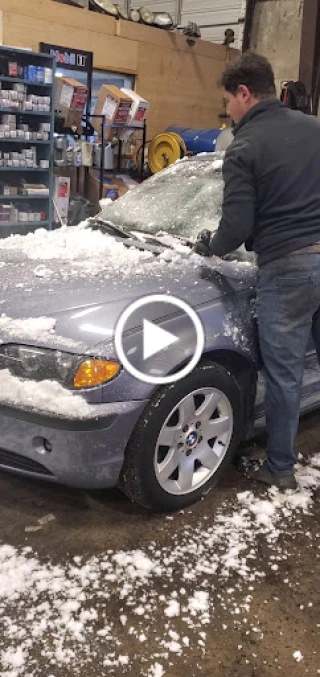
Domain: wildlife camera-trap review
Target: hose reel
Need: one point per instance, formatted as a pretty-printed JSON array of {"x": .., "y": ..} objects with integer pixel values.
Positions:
[{"x": 164, "y": 150}]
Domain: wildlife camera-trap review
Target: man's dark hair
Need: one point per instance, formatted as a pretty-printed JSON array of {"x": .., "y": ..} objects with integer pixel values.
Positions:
[{"x": 252, "y": 70}]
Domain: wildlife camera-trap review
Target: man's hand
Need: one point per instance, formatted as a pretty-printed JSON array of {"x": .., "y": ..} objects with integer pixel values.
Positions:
[{"x": 202, "y": 245}]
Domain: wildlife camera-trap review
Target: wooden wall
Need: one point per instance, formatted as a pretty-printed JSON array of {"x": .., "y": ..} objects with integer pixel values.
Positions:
[{"x": 179, "y": 81}]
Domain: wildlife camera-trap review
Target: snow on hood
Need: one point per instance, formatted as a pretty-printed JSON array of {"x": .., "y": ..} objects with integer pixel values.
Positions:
[
  {"x": 76, "y": 244},
  {"x": 80, "y": 252},
  {"x": 44, "y": 273},
  {"x": 34, "y": 330},
  {"x": 46, "y": 276}
]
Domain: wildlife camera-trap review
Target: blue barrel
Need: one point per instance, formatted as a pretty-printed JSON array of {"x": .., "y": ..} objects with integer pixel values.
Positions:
[{"x": 197, "y": 140}]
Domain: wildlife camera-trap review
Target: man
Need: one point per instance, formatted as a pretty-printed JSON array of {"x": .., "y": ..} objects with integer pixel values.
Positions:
[{"x": 272, "y": 203}]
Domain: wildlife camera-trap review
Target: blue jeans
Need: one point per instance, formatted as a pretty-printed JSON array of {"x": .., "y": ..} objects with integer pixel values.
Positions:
[{"x": 288, "y": 307}]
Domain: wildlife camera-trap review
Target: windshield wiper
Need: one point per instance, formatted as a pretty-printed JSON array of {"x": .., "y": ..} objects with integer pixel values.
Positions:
[{"x": 108, "y": 226}]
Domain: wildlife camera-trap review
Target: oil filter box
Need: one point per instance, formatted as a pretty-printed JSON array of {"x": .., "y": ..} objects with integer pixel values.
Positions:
[
  {"x": 70, "y": 101},
  {"x": 116, "y": 106},
  {"x": 61, "y": 197},
  {"x": 137, "y": 113}
]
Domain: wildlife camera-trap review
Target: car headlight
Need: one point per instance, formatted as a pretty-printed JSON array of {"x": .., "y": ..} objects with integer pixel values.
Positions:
[{"x": 72, "y": 371}]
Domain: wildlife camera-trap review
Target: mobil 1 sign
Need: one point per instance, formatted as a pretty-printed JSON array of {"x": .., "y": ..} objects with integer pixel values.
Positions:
[{"x": 68, "y": 57}]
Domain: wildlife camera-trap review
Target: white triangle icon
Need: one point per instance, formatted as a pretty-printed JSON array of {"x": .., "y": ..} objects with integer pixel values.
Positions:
[{"x": 155, "y": 339}]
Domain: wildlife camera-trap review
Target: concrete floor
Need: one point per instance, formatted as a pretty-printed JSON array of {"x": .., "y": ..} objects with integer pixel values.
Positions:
[{"x": 253, "y": 627}]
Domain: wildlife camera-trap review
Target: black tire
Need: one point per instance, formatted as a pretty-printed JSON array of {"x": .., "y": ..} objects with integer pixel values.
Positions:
[{"x": 138, "y": 478}]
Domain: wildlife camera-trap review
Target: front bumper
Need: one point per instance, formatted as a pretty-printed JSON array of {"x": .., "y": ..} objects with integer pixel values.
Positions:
[{"x": 85, "y": 453}]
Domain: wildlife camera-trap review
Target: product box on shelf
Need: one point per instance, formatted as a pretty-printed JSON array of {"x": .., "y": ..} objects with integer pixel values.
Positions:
[
  {"x": 113, "y": 187},
  {"x": 38, "y": 74},
  {"x": 70, "y": 101},
  {"x": 137, "y": 113},
  {"x": 8, "y": 214},
  {"x": 115, "y": 105},
  {"x": 19, "y": 99},
  {"x": 34, "y": 189},
  {"x": 27, "y": 157},
  {"x": 61, "y": 197},
  {"x": 9, "y": 190}
]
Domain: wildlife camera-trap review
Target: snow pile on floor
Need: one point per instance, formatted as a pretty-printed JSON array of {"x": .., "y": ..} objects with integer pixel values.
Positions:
[
  {"x": 44, "y": 396},
  {"x": 60, "y": 618}
]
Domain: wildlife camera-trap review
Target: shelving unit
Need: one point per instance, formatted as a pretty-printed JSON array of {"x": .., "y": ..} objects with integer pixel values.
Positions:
[
  {"x": 142, "y": 129},
  {"x": 5, "y": 170},
  {"x": 4, "y": 198},
  {"x": 4, "y": 78},
  {"x": 25, "y": 73},
  {"x": 22, "y": 142},
  {"x": 20, "y": 113}
]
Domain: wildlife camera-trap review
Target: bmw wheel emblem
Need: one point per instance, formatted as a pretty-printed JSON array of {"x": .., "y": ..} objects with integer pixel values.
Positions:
[{"x": 191, "y": 439}]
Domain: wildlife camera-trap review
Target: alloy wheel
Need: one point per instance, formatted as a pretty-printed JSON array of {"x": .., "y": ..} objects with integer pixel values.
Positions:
[{"x": 193, "y": 441}]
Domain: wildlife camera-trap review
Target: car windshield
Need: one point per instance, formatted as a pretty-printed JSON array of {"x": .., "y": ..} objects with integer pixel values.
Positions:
[{"x": 181, "y": 200}]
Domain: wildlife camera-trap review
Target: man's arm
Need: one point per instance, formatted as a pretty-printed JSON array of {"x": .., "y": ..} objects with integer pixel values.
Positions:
[{"x": 239, "y": 202}]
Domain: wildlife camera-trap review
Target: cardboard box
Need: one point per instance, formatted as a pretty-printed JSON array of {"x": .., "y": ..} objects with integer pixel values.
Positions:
[
  {"x": 70, "y": 100},
  {"x": 113, "y": 187},
  {"x": 116, "y": 106},
  {"x": 61, "y": 197},
  {"x": 137, "y": 114}
]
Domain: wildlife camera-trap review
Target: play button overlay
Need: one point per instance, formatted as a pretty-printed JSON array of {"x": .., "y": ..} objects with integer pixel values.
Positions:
[
  {"x": 157, "y": 335},
  {"x": 155, "y": 339}
]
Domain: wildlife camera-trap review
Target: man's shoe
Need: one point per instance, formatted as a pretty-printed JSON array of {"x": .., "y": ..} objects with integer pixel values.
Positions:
[{"x": 259, "y": 472}]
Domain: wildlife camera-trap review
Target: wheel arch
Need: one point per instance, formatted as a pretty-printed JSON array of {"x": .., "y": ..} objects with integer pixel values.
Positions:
[{"x": 245, "y": 372}]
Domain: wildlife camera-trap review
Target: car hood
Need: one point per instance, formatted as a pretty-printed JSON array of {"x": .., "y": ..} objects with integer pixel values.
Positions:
[{"x": 81, "y": 281}]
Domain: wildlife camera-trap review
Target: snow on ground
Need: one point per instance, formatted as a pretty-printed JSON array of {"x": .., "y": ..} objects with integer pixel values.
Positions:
[{"x": 61, "y": 612}]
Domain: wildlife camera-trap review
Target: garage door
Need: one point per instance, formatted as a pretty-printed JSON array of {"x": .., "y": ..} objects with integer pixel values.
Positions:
[{"x": 212, "y": 16}]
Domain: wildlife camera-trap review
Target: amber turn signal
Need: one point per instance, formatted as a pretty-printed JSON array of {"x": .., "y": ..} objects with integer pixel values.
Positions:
[{"x": 93, "y": 372}]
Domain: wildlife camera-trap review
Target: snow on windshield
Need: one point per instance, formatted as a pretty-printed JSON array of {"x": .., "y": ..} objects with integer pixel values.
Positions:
[{"x": 181, "y": 200}]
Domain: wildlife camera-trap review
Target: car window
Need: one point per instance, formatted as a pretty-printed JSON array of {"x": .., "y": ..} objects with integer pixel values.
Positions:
[{"x": 181, "y": 200}]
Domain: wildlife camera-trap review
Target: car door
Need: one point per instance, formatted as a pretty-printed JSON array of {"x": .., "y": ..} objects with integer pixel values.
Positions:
[
  {"x": 310, "y": 393},
  {"x": 310, "y": 396}
]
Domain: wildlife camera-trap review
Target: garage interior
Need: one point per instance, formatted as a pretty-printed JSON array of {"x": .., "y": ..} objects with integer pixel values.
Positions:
[
  {"x": 177, "y": 75},
  {"x": 115, "y": 559}
]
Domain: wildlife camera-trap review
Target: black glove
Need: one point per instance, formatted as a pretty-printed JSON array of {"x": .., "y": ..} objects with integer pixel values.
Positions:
[{"x": 202, "y": 245}]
